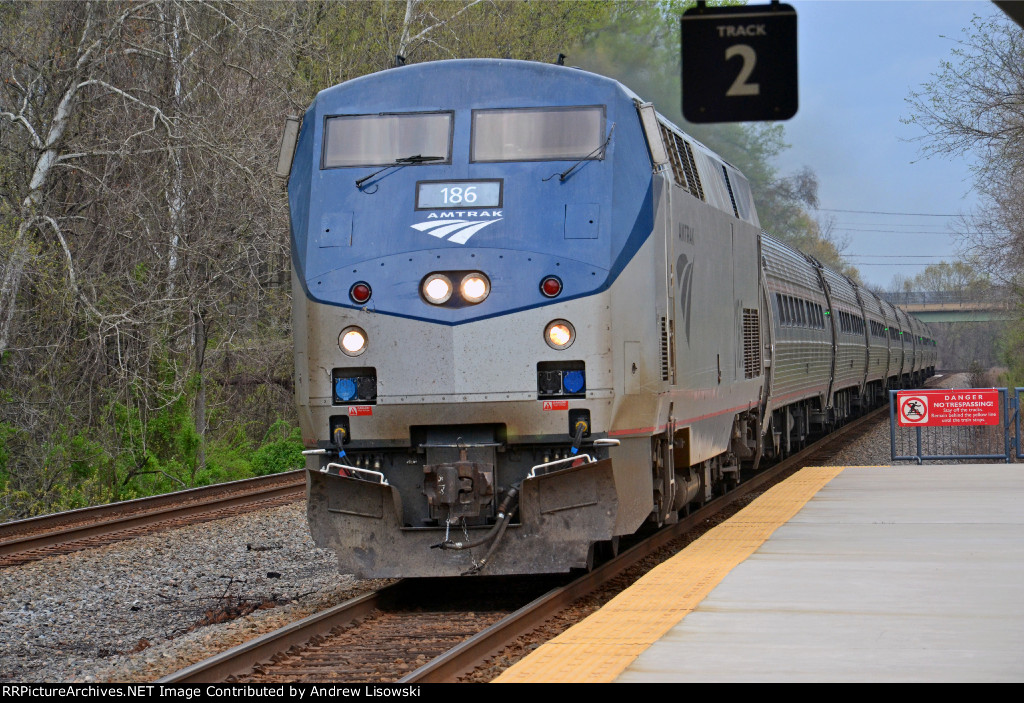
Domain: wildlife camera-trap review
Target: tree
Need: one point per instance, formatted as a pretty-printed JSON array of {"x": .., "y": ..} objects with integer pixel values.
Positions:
[
  {"x": 136, "y": 220},
  {"x": 974, "y": 107}
]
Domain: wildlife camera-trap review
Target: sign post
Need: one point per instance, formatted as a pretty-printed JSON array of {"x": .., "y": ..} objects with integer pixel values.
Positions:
[
  {"x": 958, "y": 424},
  {"x": 739, "y": 63}
]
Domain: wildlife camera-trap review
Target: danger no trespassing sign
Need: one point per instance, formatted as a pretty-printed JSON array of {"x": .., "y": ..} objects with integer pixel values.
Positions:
[{"x": 973, "y": 406}]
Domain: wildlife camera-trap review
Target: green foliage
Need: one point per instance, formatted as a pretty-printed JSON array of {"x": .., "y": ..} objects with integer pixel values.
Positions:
[
  {"x": 225, "y": 461},
  {"x": 7, "y": 433},
  {"x": 1011, "y": 346},
  {"x": 281, "y": 454}
]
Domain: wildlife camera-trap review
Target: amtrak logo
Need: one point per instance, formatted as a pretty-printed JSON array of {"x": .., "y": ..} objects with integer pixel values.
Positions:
[
  {"x": 446, "y": 223},
  {"x": 684, "y": 283}
]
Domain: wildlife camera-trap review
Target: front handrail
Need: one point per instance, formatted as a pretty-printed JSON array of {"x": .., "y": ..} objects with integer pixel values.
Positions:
[
  {"x": 355, "y": 469},
  {"x": 549, "y": 464}
]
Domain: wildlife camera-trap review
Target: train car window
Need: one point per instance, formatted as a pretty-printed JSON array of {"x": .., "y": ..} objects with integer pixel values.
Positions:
[
  {"x": 379, "y": 140},
  {"x": 803, "y": 313},
  {"x": 538, "y": 134}
]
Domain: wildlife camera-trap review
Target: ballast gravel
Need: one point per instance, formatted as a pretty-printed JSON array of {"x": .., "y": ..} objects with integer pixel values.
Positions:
[
  {"x": 137, "y": 610},
  {"x": 143, "y": 608}
]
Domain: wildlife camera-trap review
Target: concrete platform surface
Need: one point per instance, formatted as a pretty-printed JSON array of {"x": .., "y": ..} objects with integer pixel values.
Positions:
[{"x": 905, "y": 573}]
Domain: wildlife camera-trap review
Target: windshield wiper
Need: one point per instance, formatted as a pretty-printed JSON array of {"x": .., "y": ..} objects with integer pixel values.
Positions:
[
  {"x": 565, "y": 174},
  {"x": 398, "y": 163}
]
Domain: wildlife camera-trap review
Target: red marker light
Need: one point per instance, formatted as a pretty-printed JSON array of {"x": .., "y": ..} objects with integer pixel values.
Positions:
[
  {"x": 551, "y": 286},
  {"x": 360, "y": 292}
]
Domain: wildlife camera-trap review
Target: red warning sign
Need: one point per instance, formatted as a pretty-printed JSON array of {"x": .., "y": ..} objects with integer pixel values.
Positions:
[
  {"x": 555, "y": 405},
  {"x": 360, "y": 410},
  {"x": 971, "y": 406}
]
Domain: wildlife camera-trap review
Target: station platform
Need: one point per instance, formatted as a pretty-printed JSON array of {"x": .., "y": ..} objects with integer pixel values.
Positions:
[{"x": 860, "y": 574}]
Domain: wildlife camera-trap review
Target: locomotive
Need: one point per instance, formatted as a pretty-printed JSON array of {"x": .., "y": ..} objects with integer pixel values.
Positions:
[{"x": 531, "y": 315}]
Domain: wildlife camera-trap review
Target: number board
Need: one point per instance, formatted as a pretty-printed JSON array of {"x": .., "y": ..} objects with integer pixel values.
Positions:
[
  {"x": 434, "y": 195},
  {"x": 739, "y": 63}
]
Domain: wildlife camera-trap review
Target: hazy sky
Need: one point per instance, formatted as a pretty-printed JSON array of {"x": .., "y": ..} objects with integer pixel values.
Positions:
[{"x": 858, "y": 62}]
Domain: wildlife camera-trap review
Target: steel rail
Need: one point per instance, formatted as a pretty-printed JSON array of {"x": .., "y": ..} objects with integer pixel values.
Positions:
[
  {"x": 243, "y": 658},
  {"x": 84, "y": 523}
]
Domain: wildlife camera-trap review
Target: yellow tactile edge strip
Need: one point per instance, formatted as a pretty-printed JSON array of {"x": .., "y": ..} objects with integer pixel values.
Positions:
[{"x": 600, "y": 647}]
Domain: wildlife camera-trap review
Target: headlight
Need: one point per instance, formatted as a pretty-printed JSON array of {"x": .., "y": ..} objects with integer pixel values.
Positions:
[
  {"x": 559, "y": 334},
  {"x": 352, "y": 341},
  {"x": 475, "y": 287},
  {"x": 437, "y": 288}
]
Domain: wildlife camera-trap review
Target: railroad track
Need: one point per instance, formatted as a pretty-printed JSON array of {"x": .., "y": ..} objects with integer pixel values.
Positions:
[
  {"x": 438, "y": 630},
  {"x": 28, "y": 540}
]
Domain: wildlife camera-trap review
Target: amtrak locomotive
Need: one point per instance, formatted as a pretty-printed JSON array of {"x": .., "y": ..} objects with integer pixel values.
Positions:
[{"x": 531, "y": 315}]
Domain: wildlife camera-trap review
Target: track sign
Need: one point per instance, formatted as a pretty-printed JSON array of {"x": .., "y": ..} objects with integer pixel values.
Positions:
[{"x": 739, "y": 63}]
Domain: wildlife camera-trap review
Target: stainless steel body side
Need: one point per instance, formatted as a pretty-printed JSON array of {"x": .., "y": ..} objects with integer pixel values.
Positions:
[
  {"x": 803, "y": 354},
  {"x": 850, "y": 351},
  {"x": 892, "y": 324},
  {"x": 878, "y": 352}
]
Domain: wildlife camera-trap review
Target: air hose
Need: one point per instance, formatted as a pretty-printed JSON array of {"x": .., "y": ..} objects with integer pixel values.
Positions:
[{"x": 505, "y": 510}]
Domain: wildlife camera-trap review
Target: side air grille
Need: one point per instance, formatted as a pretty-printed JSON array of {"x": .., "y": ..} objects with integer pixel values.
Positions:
[
  {"x": 684, "y": 168},
  {"x": 751, "y": 344},
  {"x": 665, "y": 362},
  {"x": 691, "y": 166},
  {"x": 732, "y": 196}
]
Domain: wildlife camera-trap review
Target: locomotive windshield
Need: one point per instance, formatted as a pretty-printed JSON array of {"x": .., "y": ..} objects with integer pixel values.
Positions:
[
  {"x": 379, "y": 140},
  {"x": 538, "y": 134}
]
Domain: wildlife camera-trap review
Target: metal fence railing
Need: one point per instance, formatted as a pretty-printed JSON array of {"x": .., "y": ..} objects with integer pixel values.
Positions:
[
  {"x": 1017, "y": 422},
  {"x": 959, "y": 442}
]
